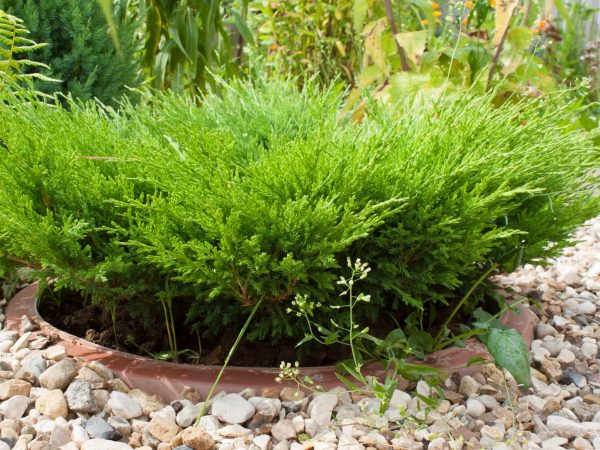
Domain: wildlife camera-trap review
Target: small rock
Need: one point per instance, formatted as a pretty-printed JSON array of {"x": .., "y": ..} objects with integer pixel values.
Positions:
[
  {"x": 571, "y": 376},
  {"x": 284, "y": 430},
  {"x": 21, "y": 343},
  {"x": 569, "y": 428},
  {"x": 582, "y": 444},
  {"x": 59, "y": 376},
  {"x": 190, "y": 394},
  {"x": 233, "y": 408},
  {"x": 551, "y": 406},
  {"x": 468, "y": 386},
  {"x": 197, "y": 439},
  {"x": 321, "y": 409},
  {"x": 349, "y": 443},
  {"x": 103, "y": 444},
  {"x": 543, "y": 329},
  {"x": 95, "y": 380},
  {"x": 475, "y": 408},
  {"x": 586, "y": 307},
  {"x": 188, "y": 415},
  {"x": 438, "y": 444},
  {"x": 289, "y": 394},
  {"x": 55, "y": 352},
  {"x": 124, "y": 406},
  {"x": 52, "y": 404},
  {"x": 15, "y": 407},
  {"x": 566, "y": 356},
  {"x": 11, "y": 388},
  {"x": 99, "y": 428},
  {"x": 493, "y": 433},
  {"x": 298, "y": 422},
  {"x": 78, "y": 434},
  {"x": 61, "y": 435},
  {"x": 163, "y": 427},
  {"x": 80, "y": 397},
  {"x": 122, "y": 426},
  {"x": 234, "y": 431},
  {"x": 262, "y": 442}
]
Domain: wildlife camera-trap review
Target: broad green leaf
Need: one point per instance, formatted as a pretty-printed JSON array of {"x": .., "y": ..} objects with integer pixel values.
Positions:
[
  {"x": 359, "y": 13},
  {"x": 509, "y": 351},
  {"x": 349, "y": 384},
  {"x": 519, "y": 38},
  {"x": 242, "y": 27},
  {"x": 476, "y": 360},
  {"x": 413, "y": 42},
  {"x": 396, "y": 336},
  {"x": 369, "y": 75},
  {"x": 373, "y": 34}
]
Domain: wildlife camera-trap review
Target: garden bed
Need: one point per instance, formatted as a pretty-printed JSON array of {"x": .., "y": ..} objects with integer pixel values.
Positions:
[{"x": 168, "y": 379}]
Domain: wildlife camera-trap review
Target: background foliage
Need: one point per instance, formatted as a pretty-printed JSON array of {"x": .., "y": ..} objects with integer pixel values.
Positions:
[{"x": 79, "y": 49}]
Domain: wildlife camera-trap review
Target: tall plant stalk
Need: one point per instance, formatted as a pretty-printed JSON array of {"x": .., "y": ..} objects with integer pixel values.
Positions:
[{"x": 226, "y": 362}]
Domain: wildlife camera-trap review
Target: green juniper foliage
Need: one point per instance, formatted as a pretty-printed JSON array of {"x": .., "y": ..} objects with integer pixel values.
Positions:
[
  {"x": 264, "y": 192},
  {"x": 80, "y": 50}
]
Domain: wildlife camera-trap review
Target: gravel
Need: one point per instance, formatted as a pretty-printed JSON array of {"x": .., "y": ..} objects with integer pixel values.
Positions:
[{"x": 49, "y": 400}]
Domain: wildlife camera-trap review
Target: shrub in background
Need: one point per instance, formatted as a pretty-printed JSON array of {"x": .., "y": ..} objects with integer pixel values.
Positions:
[
  {"x": 80, "y": 51},
  {"x": 263, "y": 193}
]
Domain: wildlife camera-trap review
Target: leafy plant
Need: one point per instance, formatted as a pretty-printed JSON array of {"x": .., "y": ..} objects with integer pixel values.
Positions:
[
  {"x": 189, "y": 42},
  {"x": 79, "y": 49},
  {"x": 365, "y": 348},
  {"x": 259, "y": 194},
  {"x": 308, "y": 38}
]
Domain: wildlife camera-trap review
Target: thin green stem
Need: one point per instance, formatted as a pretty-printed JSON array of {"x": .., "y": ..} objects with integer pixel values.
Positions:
[
  {"x": 168, "y": 327},
  {"x": 351, "y": 331},
  {"x": 226, "y": 362},
  {"x": 464, "y": 300}
]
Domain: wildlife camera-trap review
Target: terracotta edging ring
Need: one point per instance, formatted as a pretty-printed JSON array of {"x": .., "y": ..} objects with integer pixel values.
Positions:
[{"x": 167, "y": 379}]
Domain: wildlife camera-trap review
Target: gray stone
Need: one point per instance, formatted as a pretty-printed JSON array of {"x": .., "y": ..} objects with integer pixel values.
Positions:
[
  {"x": 80, "y": 397},
  {"x": 122, "y": 426},
  {"x": 543, "y": 329},
  {"x": 569, "y": 376},
  {"x": 124, "y": 406},
  {"x": 569, "y": 428},
  {"x": 187, "y": 415},
  {"x": 321, "y": 409},
  {"x": 15, "y": 407},
  {"x": 284, "y": 430},
  {"x": 99, "y": 428},
  {"x": 475, "y": 408},
  {"x": 60, "y": 436},
  {"x": 468, "y": 386},
  {"x": 586, "y": 308},
  {"x": 21, "y": 343},
  {"x": 32, "y": 366},
  {"x": 233, "y": 408}
]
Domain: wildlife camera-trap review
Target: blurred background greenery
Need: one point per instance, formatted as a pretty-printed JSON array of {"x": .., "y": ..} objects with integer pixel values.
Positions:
[{"x": 382, "y": 49}]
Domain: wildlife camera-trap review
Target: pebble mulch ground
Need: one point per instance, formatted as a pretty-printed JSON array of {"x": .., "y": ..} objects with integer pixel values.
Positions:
[{"x": 51, "y": 401}]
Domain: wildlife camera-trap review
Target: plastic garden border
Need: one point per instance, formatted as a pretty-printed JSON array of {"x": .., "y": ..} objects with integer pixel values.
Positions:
[{"x": 168, "y": 380}]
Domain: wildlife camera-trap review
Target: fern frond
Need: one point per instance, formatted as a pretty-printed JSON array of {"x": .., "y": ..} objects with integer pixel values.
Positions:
[{"x": 12, "y": 44}]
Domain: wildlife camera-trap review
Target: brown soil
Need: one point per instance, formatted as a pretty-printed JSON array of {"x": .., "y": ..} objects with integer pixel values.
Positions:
[{"x": 71, "y": 313}]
